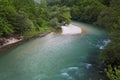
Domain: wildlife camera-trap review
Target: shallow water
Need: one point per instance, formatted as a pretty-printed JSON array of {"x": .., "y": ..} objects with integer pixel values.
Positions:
[{"x": 55, "y": 57}]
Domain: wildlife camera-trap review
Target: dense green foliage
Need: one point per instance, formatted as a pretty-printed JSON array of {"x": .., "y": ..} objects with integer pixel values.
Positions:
[
  {"x": 113, "y": 73},
  {"x": 110, "y": 19},
  {"x": 27, "y": 16}
]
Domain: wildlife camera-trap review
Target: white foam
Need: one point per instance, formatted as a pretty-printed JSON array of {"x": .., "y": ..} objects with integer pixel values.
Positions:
[
  {"x": 71, "y": 29},
  {"x": 101, "y": 47},
  {"x": 73, "y": 68},
  {"x": 65, "y": 74},
  {"x": 105, "y": 42},
  {"x": 88, "y": 65}
]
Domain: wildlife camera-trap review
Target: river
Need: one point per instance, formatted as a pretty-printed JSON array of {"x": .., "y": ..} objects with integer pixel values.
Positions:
[{"x": 55, "y": 57}]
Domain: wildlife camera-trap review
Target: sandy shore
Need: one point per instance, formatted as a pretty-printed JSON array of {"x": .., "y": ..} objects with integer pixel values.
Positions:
[
  {"x": 71, "y": 29},
  {"x": 10, "y": 41},
  {"x": 13, "y": 41}
]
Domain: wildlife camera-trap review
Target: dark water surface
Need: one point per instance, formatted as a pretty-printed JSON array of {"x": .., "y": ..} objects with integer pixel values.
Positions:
[{"x": 55, "y": 57}]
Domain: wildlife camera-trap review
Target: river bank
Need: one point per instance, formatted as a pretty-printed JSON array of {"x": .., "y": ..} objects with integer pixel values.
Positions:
[
  {"x": 65, "y": 30},
  {"x": 12, "y": 41}
]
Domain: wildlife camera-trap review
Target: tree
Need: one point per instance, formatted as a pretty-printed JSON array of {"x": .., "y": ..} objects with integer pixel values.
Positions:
[
  {"x": 54, "y": 23},
  {"x": 113, "y": 73},
  {"x": 5, "y": 28}
]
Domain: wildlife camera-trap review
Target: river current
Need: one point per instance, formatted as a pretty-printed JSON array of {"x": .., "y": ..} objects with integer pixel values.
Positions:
[{"x": 56, "y": 57}]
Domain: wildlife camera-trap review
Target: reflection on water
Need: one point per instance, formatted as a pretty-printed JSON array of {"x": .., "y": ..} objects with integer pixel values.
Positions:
[{"x": 55, "y": 57}]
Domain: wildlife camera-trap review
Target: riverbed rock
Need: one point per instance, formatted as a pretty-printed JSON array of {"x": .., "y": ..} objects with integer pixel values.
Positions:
[{"x": 2, "y": 41}]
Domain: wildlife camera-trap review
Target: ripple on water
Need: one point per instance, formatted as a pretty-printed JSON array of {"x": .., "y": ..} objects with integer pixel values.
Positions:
[
  {"x": 70, "y": 69},
  {"x": 105, "y": 43},
  {"x": 73, "y": 68},
  {"x": 70, "y": 73},
  {"x": 88, "y": 66},
  {"x": 66, "y": 75}
]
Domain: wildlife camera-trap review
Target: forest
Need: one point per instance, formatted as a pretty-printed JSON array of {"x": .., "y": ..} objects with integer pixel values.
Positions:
[{"x": 29, "y": 17}]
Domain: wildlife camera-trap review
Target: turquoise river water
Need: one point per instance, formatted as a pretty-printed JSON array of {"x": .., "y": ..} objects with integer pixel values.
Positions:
[{"x": 55, "y": 57}]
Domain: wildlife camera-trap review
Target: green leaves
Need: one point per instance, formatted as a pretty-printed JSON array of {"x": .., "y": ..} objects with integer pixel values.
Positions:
[
  {"x": 113, "y": 73},
  {"x": 61, "y": 13},
  {"x": 5, "y": 27},
  {"x": 55, "y": 23}
]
